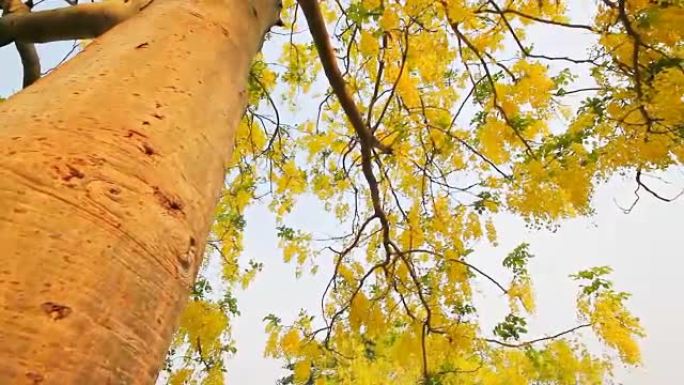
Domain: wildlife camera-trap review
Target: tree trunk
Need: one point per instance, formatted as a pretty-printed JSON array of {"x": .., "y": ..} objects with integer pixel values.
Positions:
[{"x": 110, "y": 169}]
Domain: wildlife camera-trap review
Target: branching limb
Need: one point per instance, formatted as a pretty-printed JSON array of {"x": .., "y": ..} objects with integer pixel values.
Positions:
[
  {"x": 462, "y": 262},
  {"x": 368, "y": 142},
  {"x": 640, "y": 183},
  {"x": 321, "y": 38},
  {"x": 30, "y": 63},
  {"x": 82, "y": 21},
  {"x": 531, "y": 342},
  {"x": 539, "y": 19},
  {"x": 27, "y": 51}
]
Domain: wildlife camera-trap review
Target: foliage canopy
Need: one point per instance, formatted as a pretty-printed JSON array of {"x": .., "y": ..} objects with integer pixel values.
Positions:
[
  {"x": 447, "y": 115},
  {"x": 470, "y": 120}
]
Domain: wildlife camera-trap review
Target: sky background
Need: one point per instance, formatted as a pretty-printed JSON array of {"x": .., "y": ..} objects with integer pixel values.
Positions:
[{"x": 644, "y": 248}]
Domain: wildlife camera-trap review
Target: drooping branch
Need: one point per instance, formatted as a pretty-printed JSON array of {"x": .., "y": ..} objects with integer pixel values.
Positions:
[
  {"x": 640, "y": 183},
  {"x": 542, "y": 339},
  {"x": 461, "y": 262},
  {"x": 538, "y": 19},
  {"x": 27, "y": 51},
  {"x": 321, "y": 38},
  {"x": 82, "y": 21}
]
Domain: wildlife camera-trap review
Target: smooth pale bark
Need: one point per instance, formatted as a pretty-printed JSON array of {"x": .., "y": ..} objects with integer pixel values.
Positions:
[{"x": 110, "y": 168}]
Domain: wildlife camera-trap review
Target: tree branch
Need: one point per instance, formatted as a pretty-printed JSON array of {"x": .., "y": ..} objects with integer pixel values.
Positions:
[
  {"x": 27, "y": 51},
  {"x": 321, "y": 38},
  {"x": 30, "y": 62},
  {"x": 82, "y": 21},
  {"x": 543, "y": 339},
  {"x": 462, "y": 262},
  {"x": 652, "y": 192}
]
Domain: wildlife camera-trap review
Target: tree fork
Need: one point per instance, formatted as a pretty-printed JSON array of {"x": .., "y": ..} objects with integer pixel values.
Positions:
[{"x": 110, "y": 169}]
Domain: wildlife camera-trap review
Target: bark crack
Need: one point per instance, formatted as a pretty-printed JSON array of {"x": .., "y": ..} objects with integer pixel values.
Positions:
[
  {"x": 34, "y": 185},
  {"x": 56, "y": 311}
]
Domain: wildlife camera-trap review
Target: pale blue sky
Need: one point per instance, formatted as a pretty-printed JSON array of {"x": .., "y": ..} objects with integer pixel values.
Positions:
[{"x": 643, "y": 247}]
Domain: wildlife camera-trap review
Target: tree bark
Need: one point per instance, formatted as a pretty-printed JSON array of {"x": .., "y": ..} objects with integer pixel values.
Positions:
[{"x": 110, "y": 168}]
